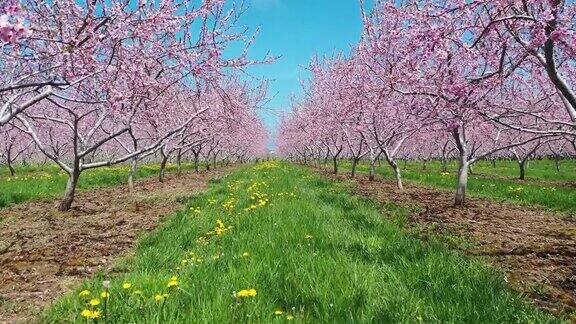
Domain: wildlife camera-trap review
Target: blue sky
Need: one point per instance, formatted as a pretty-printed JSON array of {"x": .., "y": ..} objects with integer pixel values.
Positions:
[{"x": 297, "y": 30}]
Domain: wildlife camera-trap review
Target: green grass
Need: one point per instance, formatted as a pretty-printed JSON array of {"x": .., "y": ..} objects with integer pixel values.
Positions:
[
  {"x": 315, "y": 252},
  {"x": 49, "y": 181},
  {"x": 544, "y": 169},
  {"x": 543, "y": 186}
]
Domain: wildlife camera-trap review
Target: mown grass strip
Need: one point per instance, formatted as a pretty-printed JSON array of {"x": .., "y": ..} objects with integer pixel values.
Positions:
[
  {"x": 484, "y": 182},
  {"x": 49, "y": 181},
  {"x": 275, "y": 243}
]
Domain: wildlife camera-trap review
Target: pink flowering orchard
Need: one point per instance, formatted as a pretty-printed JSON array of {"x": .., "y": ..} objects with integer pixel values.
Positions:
[
  {"x": 105, "y": 82},
  {"x": 98, "y": 83},
  {"x": 478, "y": 78},
  {"x": 395, "y": 161}
]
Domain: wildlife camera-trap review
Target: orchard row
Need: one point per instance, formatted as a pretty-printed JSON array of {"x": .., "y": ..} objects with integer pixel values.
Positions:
[
  {"x": 88, "y": 84},
  {"x": 465, "y": 80}
]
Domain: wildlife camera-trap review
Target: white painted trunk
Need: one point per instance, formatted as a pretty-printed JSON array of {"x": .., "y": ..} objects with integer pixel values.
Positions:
[
  {"x": 132, "y": 175},
  {"x": 395, "y": 168},
  {"x": 462, "y": 184}
]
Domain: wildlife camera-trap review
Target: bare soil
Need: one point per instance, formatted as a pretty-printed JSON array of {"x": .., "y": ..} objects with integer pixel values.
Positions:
[
  {"x": 45, "y": 253},
  {"x": 535, "y": 248}
]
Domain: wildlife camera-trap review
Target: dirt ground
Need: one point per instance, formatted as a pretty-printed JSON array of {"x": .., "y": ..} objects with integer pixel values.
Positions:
[
  {"x": 535, "y": 248},
  {"x": 44, "y": 253}
]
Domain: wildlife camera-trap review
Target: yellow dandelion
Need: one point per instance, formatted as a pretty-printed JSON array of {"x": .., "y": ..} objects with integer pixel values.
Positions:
[
  {"x": 95, "y": 314},
  {"x": 308, "y": 236},
  {"x": 126, "y": 285},
  {"x": 246, "y": 293},
  {"x": 172, "y": 283},
  {"x": 86, "y": 313},
  {"x": 104, "y": 294},
  {"x": 289, "y": 317},
  {"x": 159, "y": 297},
  {"x": 84, "y": 293},
  {"x": 278, "y": 312},
  {"x": 92, "y": 314},
  {"x": 245, "y": 254},
  {"x": 94, "y": 302}
]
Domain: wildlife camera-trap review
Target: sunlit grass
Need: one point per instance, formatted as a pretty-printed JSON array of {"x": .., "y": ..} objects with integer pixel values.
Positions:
[
  {"x": 498, "y": 183},
  {"x": 49, "y": 181},
  {"x": 276, "y": 243}
]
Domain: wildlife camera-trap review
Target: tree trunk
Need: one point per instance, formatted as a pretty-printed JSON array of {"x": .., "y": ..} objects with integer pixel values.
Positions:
[
  {"x": 424, "y": 164},
  {"x": 162, "y": 166},
  {"x": 372, "y": 170},
  {"x": 335, "y": 162},
  {"x": 460, "y": 197},
  {"x": 444, "y": 164},
  {"x": 73, "y": 177},
  {"x": 9, "y": 161},
  {"x": 462, "y": 184},
  {"x": 179, "y": 162},
  {"x": 398, "y": 175},
  {"x": 196, "y": 158},
  {"x": 522, "y": 167},
  {"x": 10, "y": 166},
  {"x": 132, "y": 175},
  {"x": 397, "y": 172},
  {"x": 557, "y": 162},
  {"x": 354, "y": 164},
  {"x": 493, "y": 163}
]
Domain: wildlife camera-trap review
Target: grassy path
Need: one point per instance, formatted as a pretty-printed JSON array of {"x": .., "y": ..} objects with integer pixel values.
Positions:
[
  {"x": 45, "y": 253},
  {"x": 275, "y": 243}
]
